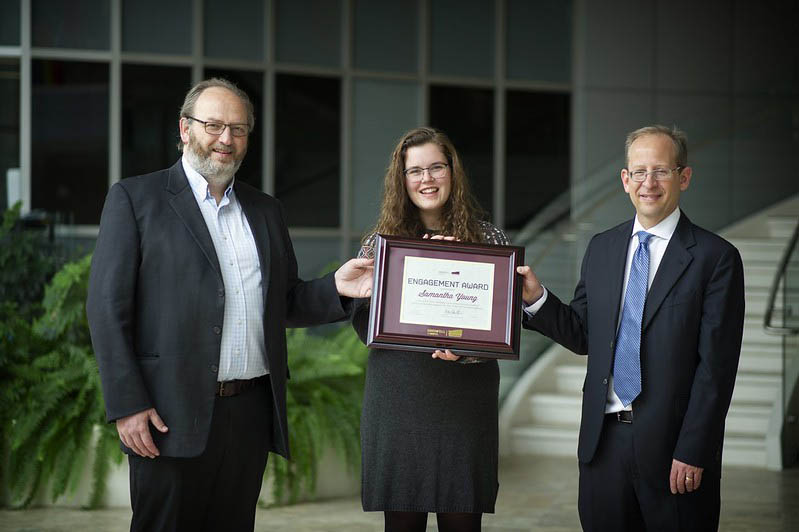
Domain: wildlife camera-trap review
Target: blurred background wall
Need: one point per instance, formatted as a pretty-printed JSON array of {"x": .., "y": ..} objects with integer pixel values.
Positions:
[{"x": 537, "y": 95}]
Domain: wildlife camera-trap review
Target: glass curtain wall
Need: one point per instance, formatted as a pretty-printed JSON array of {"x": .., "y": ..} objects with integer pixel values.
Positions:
[{"x": 335, "y": 83}]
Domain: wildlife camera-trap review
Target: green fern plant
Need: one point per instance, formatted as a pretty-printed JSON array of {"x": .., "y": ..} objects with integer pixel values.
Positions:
[
  {"x": 27, "y": 262},
  {"x": 57, "y": 409},
  {"x": 324, "y": 397},
  {"x": 53, "y": 407}
]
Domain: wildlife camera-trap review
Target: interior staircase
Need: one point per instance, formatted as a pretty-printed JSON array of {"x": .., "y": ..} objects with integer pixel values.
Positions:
[{"x": 541, "y": 414}]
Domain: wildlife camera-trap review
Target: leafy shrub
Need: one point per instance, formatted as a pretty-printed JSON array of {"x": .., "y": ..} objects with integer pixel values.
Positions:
[
  {"x": 27, "y": 262},
  {"x": 53, "y": 408},
  {"x": 324, "y": 397},
  {"x": 57, "y": 404}
]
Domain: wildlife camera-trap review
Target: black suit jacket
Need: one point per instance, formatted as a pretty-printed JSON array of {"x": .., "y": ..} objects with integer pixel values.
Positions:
[
  {"x": 690, "y": 343},
  {"x": 156, "y": 305}
]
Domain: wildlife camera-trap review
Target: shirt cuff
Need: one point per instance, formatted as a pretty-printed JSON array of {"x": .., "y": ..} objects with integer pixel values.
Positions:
[{"x": 535, "y": 307}]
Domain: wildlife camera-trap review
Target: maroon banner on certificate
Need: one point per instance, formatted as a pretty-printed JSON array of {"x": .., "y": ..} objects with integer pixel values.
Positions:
[{"x": 439, "y": 294}]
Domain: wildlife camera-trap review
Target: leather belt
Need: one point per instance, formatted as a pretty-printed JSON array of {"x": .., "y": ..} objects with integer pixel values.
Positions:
[
  {"x": 235, "y": 387},
  {"x": 622, "y": 416}
]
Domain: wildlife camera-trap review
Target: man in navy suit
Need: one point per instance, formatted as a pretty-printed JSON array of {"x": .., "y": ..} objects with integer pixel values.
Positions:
[
  {"x": 192, "y": 285},
  {"x": 659, "y": 311}
]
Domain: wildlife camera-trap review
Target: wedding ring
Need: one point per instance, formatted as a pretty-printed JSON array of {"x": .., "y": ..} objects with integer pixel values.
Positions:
[{"x": 689, "y": 479}]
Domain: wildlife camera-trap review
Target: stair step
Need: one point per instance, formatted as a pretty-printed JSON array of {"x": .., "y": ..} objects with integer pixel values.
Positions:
[
  {"x": 756, "y": 298},
  {"x": 554, "y": 440},
  {"x": 759, "y": 249},
  {"x": 569, "y": 378},
  {"x": 759, "y": 274},
  {"x": 756, "y": 335},
  {"x": 748, "y": 420},
  {"x": 760, "y": 359},
  {"x": 742, "y": 450},
  {"x": 564, "y": 411},
  {"x": 546, "y": 440},
  {"x": 753, "y": 294},
  {"x": 782, "y": 226},
  {"x": 754, "y": 388},
  {"x": 759, "y": 388},
  {"x": 555, "y": 409}
]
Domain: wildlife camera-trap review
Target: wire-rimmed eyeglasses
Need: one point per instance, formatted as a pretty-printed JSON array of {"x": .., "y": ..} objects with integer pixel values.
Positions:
[
  {"x": 660, "y": 174},
  {"x": 435, "y": 171}
]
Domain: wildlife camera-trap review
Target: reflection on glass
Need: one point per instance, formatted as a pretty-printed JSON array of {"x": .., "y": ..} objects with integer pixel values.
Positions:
[
  {"x": 462, "y": 38},
  {"x": 9, "y": 23},
  {"x": 385, "y": 35},
  {"x": 308, "y": 32},
  {"x": 168, "y": 32},
  {"x": 252, "y": 83},
  {"x": 466, "y": 115},
  {"x": 537, "y": 153},
  {"x": 69, "y": 139},
  {"x": 315, "y": 255},
  {"x": 234, "y": 30},
  {"x": 81, "y": 24},
  {"x": 150, "y": 117},
  {"x": 382, "y": 111},
  {"x": 538, "y": 40},
  {"x": 9, "y": 124},
  {"x": 307, "y": 144}
]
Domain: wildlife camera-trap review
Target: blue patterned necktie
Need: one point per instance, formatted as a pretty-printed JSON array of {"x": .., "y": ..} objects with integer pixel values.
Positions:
[{"x": 627, "y": 363}]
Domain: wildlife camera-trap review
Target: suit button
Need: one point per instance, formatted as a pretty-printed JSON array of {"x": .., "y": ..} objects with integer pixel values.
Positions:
[
  {"x": 221, "y": 292},
  {"x": 214, "y": 368},
  {"x": 611, "y": 345},
  {"x": 217, "y": 330},
  {"x": 604, "y": 381}
]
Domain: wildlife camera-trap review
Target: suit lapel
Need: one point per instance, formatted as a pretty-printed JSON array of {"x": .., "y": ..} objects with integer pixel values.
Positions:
[
  {"x": 675, "y": 261},
  {"x": 185, "y": 205},
  {"x": 616, "y": 261},
  {"x": 260, "y": 232}
]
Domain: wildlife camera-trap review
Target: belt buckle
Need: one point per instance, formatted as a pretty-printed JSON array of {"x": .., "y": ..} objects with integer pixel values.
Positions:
[
  {"x": 221, "y": 389},
  {"x": 623, "y": 420}
]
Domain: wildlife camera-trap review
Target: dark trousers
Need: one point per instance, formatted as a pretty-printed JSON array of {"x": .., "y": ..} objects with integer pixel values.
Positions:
[
  {"x": 613, "y": 496},
  {"x": 217, "y": 490}
]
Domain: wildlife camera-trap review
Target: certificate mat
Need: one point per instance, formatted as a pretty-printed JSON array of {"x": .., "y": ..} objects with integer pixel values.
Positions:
[
  {"x": 447, "y": 293},
  {"x": 439, "y": 294}
]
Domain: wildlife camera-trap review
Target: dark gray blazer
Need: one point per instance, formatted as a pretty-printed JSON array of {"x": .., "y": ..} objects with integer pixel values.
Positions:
[
  {"x": 690, "y": 344},
  {"x": 156, "y": 305}
]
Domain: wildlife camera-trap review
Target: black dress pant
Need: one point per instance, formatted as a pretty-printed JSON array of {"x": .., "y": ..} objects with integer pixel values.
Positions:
[
  {"x": 613, "y": 496},
  {"x": 217, "y": 490}
]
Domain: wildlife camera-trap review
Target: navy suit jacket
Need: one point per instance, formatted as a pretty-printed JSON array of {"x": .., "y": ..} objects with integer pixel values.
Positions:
[
  {"x": 156, "y": 305},
  {"x": 690, "y": 344}
]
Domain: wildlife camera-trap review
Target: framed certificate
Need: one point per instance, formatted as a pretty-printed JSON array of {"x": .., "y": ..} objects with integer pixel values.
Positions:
[{"x": 439, "y": 294}]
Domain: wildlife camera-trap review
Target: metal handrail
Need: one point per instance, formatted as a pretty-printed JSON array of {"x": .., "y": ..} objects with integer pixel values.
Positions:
[{"x": 772, "y": 296}]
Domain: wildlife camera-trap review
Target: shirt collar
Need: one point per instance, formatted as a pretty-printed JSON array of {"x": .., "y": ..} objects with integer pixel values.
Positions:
[
  {"x": 198, "y": 184},
  {"x": 664, "y": 229}
]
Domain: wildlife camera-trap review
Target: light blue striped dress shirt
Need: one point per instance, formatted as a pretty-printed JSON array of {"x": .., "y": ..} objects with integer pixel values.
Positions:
[{"x": 243, "y": 352}]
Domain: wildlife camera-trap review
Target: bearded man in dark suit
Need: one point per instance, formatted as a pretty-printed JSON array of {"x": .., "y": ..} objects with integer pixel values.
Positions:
[
  {"x": 192, "y": 285},
  {"x": 659, "y": 311}
]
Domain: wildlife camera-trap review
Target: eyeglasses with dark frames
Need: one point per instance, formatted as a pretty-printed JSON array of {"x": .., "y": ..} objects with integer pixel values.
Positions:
[{"x": 217, "y": 128}]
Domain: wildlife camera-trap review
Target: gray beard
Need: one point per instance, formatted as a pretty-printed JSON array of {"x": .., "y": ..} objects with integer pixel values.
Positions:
[{"x": 215, "y": 174}]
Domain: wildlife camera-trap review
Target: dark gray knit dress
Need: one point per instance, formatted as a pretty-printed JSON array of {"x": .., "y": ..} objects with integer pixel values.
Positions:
[{"x": 429, "y": 427}]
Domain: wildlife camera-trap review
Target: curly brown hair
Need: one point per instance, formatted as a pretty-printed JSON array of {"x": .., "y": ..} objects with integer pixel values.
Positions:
[{"x": 461, "y": 213}]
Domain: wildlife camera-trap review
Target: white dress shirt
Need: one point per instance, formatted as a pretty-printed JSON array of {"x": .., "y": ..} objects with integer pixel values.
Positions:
[
  {"x": 661, "y": 234},
  {"x": 243, "y": 353}
]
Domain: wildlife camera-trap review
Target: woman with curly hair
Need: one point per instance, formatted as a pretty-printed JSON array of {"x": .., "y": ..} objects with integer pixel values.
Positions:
[{"x": 429, "y": 426}]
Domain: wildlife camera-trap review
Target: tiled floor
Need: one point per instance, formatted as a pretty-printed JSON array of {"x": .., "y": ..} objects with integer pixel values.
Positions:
[{"x": 536, "y": 493}]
